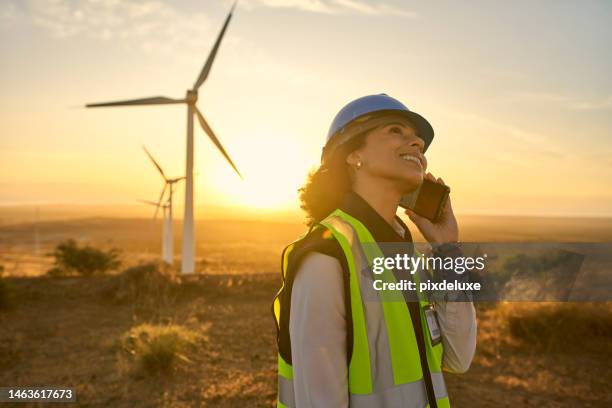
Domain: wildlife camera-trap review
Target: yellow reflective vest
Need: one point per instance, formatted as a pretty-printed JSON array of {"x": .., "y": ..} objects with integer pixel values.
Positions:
[{"x": 385, "y": 368}]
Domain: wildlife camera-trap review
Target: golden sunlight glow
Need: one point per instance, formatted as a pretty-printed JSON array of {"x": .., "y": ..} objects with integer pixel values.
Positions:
[
  {"x": 271, "y": 180},
  {"x": 514, "y": 133}
]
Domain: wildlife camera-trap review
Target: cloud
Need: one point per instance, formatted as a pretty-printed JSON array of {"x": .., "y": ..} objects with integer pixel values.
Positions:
[
  {"x": 565, "y": 101},
  {"x": 155, "y": 24},
  {"x": 602, "y": 104},
  {"x": 371, "y": 9},
  {"x": 335, "y": 7},
  {"x": 528, "y": 142},
  {"x": 147, "y": 23},
  {"x": 8, "y": 14},
  {"x": 155, "y": 27},
  {"x": 314, "y": 6}
]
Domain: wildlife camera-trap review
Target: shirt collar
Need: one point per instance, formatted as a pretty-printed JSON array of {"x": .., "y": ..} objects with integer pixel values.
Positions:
[{"x": 380, "y": 229}]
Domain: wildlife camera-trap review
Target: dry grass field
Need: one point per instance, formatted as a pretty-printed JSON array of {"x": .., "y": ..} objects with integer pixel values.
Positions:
[{"x": 146, "y": 337}]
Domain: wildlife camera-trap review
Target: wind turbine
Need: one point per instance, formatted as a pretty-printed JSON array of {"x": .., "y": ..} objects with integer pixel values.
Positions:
[
  {"x": 166, "y": 247},
  {"x": 188, "y": 262},
  {"x": 168, "y": 235}
]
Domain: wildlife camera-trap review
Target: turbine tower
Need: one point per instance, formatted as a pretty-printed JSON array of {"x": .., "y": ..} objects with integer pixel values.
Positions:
[
  {"x": 166, "y": 244},
  {"x": 168, "y": 235},
  {"x": 188, "y": 261}
]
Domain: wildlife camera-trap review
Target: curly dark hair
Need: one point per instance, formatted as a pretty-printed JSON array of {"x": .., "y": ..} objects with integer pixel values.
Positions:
[{"x": 327, "y": 185}]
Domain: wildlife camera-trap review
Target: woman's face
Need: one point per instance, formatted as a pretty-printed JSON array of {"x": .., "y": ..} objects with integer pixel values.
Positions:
[{"x": 393, "y": 151}]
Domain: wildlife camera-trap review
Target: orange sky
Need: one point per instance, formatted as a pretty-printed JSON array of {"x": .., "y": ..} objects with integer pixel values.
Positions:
[{"x": 519, "y": 95}]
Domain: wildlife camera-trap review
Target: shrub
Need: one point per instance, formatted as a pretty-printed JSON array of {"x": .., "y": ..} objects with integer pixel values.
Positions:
[
  {"x": 553, "y": 326},
  {"x": 147, "y": 287},
  {"x": 56, "y": 271},
  {"x": 156, "y": 349},
  {"x": 86, "y": 260}
]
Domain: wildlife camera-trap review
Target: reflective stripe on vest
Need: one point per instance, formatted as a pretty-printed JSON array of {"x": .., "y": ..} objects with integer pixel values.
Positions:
[{"x": 384, "y": 370}]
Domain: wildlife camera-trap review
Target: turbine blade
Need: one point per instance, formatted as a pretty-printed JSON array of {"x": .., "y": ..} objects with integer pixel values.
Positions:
[
  {"x": 147, "y": 202},
  {"x": 215, "y": 140},
  {"x": 161, "y": 196},
  {"x": 213, "y": 53},
  {"x": 176, "y": 179},
  {"x": 154, "y": 100},
  {"x": 155, "y": 163}
]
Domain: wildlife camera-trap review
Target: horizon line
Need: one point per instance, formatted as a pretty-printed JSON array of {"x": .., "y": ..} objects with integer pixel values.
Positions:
[{"x": 250, "y": 211}]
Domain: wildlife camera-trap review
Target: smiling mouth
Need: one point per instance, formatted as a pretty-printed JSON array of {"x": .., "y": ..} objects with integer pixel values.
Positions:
[{"x": 411, "y": 158}]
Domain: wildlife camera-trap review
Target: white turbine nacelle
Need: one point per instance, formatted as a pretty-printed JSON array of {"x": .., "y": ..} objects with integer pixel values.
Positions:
[{"x": 191, "y": 97}]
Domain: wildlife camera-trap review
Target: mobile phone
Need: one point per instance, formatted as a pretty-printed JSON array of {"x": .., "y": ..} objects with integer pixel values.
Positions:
[{"x": 428, "y": 200}]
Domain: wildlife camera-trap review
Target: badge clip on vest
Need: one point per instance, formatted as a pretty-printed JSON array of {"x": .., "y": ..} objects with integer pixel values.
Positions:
[{"x": 432, "y": 324}]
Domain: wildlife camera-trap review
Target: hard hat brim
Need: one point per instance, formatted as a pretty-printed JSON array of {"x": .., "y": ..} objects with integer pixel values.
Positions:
[
  {"x": 368, "y": 122},
  {"x": 361, "y": 108},
  {"x": 424, "y": 129}
]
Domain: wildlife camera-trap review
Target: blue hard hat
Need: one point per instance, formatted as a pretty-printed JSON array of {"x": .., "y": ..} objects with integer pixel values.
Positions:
[{"x": 378, "y": 104}]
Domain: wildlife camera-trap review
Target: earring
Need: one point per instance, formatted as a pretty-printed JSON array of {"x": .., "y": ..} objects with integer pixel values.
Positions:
[{"x": 359, "y": 164}]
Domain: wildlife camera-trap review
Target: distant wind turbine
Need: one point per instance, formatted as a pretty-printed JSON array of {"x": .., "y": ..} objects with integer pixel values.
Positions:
[
  {"x": 188, "y": 261},
  {"x": 167, "y": 234},
  {"x": 166, "y": 245}
]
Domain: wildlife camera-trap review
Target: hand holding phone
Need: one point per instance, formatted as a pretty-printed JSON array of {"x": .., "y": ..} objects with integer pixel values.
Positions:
[
  {"x": 435, "y": 219},
  {"x": 428, "y": 200}
]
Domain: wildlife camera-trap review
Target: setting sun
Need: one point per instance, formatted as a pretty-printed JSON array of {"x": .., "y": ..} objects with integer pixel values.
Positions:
[{"x": 271, "y": 180}]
